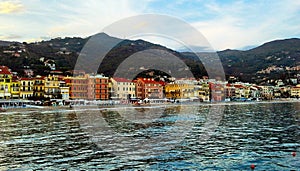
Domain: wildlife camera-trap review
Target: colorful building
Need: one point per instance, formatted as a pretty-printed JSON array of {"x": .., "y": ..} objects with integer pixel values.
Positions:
[
  {"x": 230, "y": 91},
  {"x": 217, "y": 91},
  {"x": 26, "y": 88},
  {"x": 52, "y": 87},
  {"x": 39, "y": 87},
  {"x": 180, "y": 91},
  {"x": 122, "y": 88},
  {"x": 5, "y": 82},
  {"x": 64, "y": 90},
  {"x": 203, "y": 92},
  {"x": 149, "y": 88},
  {"x": 267, "y": 92},
  {"x": 15, "y": 87},
  {"x": 97, "y": 87},
  {"x": 295, "y": 91},
  {"x": 78, "y": 86}
]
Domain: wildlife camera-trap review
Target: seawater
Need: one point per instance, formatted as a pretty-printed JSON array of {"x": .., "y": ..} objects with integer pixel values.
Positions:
[{"x": 229, "y": 136}]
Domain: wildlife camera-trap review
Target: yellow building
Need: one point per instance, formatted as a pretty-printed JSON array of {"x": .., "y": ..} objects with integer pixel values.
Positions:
[
  {"x": 15, "y": 88},
  {"x": 5, "y": 82},
  {"x": 203, "y": 92},
  {"x": 39, "y": 87},
  {"x": 26, "y": 88},
  {"x": 52, "y": 87},
  {"x": 180, "y": 91},
  {"x": 295, "y": 91}
]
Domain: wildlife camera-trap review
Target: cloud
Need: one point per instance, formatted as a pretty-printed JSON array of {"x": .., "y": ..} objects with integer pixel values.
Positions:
[
  {"x": 225, "y": 24},
  {"x": 97, "y": 15},
  {"x": 7, "y": 7},
  {"x": 10, "y": 37},
  {"x": 240, "y": 23}
]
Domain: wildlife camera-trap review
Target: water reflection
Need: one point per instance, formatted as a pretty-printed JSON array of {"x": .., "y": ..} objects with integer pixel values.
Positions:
[{"x": 264, "y": 134}]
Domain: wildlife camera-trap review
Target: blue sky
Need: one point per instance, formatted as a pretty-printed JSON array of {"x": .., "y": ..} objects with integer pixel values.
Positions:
[{"x": 224, "y": 23}]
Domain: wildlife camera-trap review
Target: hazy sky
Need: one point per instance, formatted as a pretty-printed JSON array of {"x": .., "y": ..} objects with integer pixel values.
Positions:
[{"x": 225, "y": 23}]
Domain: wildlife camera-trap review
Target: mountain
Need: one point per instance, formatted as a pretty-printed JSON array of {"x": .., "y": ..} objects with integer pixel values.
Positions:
[
  {"x": 248, "y": 65},
  {"x": 277, "y": 54}
]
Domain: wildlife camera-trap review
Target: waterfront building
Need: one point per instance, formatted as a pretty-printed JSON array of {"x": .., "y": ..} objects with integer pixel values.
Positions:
[
  {"x": 52, "y": 87},
  {"x": 267, "y": 92},
  {"x": 78, "y": 86},
  {"x": 64, "y": 90},
  {"x": 230, "y": 91},
  {"x": 255, "y": 91},
  {"x": 122, "y": 89},
  {"x": 180, "y": 91},
  {"x": 295, "y": 91},
  {"x": 149, "y": 88},
  {"x": 26, "y": 88},
  {"x": 39, "y": 87},
  {"x": 240, "y": 91},
  {"x": 15, "y": 87},
  {"x": 5, "y": 82},
  {"x": 217, "y": 91},
  {"x": 97, "y": 87},
  {"x": 203, "y": 92}
]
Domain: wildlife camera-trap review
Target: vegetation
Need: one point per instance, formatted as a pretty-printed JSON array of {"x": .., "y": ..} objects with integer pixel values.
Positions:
[{"x": 65, "y": 51}]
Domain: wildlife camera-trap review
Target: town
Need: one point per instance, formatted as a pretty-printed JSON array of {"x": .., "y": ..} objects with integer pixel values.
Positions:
[{"x": 97, "y": 87}]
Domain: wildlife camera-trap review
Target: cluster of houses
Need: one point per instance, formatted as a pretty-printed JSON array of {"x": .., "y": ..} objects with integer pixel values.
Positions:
[{"x": 99, "y": 87}]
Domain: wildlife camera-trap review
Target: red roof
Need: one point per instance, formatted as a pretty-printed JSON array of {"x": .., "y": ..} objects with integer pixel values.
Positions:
[
  {"x": 23, "y": 78},
  {"x": 118, "y": 79},
  {"x": 239, "y": 86},
  {"x": 40, "y": 78},
  {"x": 15, "y": 78},
  {"x": 228, "y": 85},
  {"x": 4, "y": 70},
  {"x": 151, "y": 81}
]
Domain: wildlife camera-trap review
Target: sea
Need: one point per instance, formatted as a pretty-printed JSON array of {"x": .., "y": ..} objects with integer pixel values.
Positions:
[{"x": 187, "y": 136}]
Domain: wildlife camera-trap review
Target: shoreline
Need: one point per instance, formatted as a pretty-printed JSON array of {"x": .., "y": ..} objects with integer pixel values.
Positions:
[{"x": 47, "y": 109}]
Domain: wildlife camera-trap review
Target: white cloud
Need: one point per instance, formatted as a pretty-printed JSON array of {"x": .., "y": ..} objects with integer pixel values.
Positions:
[
  {"x": 233, "y": 24},
  {"x": 7, "y": 7},
  {"x": 249, "y": 24},
  {"x": 90, "y": 18}
]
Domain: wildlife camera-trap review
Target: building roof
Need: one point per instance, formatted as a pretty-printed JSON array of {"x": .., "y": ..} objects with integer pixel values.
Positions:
[
  {"x": 239, "y": 86},
  {"x": 4, "y": 70},
  {"x": 40, "y": 78},
  {"x": 26, "y": 79},
  {"x": 151, "y": 81},
  {"x": 118, "y": 79}
]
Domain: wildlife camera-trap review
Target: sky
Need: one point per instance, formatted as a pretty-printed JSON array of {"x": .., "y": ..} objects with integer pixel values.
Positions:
[{"x": 226, "y": 24}]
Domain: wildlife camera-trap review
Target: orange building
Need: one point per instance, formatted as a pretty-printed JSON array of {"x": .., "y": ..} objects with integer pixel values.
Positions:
[
  {"x": 97, "y": 87},
  {"x": 149, "y": 88},
  {"x": 78, "y": 86}
]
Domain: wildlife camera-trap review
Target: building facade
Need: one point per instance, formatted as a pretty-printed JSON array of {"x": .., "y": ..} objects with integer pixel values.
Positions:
[
  {"x": 97, "y": 87},
  {"x": 5, "y": 82},
  {"x": 122, "y": 89},
  {"x": 26, "y": 88},
  {"x": 149, "y": 88}
]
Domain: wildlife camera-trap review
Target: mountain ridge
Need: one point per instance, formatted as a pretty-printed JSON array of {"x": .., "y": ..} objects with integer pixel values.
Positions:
[{"x": 240, "y": 63}]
